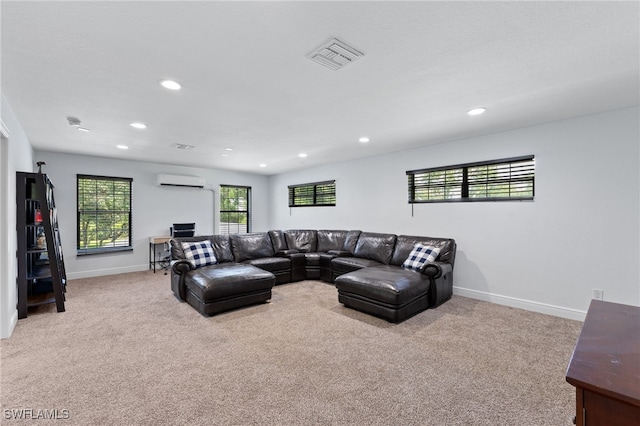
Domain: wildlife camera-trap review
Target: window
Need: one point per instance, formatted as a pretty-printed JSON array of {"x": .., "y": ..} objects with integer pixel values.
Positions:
[
  {"x": 235, "y": 207},
  {"x": 104, "y": 214},
  {"x": 496, "y": 180},
  {"x": 313, "y": 194}
]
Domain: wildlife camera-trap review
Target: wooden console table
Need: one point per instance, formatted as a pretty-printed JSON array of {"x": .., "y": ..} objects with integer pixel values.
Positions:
[{"x": 605, "y": 366}]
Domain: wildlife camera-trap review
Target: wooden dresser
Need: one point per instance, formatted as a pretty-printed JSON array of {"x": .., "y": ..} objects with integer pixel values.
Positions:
[{"x": 605, "y": 366}]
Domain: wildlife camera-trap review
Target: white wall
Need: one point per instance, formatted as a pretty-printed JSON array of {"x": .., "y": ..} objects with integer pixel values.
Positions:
[
  {"x": 154, "y": 208},
  {"x": 581, "y": 232},
  {"x": 17, "y": 155}
]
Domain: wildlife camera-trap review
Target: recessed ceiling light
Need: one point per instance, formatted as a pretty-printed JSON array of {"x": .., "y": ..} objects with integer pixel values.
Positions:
[
  {"x": 364, "y": 139},
  {"x": 302, "y": 155},
  {"x": 122, "y": 147},
  {"x": 228, "y": 149},
  {"x": 224, "y": 155},
  {"x": 263, "y": 165},
  {"x": 477, "y": 111},
  {"x": 83, "y": 129},
  {"x": 138, "y": 125},
  {"x": 170, "y": 84}
]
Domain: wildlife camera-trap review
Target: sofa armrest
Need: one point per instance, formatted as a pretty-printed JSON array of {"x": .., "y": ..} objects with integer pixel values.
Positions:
[
  {"x": 441, "y": 276},
  {"x": 178, "y": 270},
  {"x": 437, "y": 269},
  {"x": 182, "y": 266},
  {"x": 284, "y": 253},
  {"x": 340, "y": 253}
]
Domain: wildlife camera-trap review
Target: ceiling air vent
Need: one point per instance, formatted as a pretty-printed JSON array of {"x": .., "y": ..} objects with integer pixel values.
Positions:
[{"x": 334, "y": 54}]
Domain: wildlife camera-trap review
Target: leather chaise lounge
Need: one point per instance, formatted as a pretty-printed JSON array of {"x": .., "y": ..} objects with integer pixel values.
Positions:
[
  {"x": 369, "y": 269},
  {"x": 220, "y": 286},
  {"x": 382, "y": 287}
]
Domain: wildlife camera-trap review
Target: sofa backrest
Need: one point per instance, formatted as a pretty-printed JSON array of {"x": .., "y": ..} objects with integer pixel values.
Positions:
[
  {"x": 331, "y": 240},
  {"x": 278, "y": 240},
  {"x": 351, "y": 241},
  {"x": 375, "y": 246},
  {"x": 405, "y": 243},
  {"x": 303, "y": 240},
  {"x": 251, "y": 246},
  {"x": 221, "y": 246},
  {"x": 383, "y": 248}
]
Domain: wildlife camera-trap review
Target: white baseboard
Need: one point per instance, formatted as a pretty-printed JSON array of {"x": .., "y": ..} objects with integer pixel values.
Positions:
[
  {"x": 8, "y": 328},
  {"x": 110, "y": 271},
  {"x": 528, "y": 305}
]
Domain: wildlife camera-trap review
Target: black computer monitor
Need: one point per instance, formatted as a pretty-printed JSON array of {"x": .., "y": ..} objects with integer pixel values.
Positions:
[{"x": 183, "y": 230}]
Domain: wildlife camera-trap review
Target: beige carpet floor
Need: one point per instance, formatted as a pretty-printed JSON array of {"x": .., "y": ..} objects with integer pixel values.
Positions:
[{"x": 126, "y": 352}]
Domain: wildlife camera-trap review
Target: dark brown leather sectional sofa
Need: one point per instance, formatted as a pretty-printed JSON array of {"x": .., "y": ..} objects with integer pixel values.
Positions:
[{"x": 365, "y": 267}]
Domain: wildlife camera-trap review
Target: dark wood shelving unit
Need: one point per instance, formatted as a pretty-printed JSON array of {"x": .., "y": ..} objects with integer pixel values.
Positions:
[{"x": 41, "y": 273}]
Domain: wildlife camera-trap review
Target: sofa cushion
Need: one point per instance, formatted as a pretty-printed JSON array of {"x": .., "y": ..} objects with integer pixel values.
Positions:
[
  {"x": 222, "y": 248},
  {"x": 346, "y": 264},
  {"x": 177, "y": 251},
  {"x": 199, "y": 253},
  {"x": 351, "y": 240},
  {"x": 374, "y": 246},
  {"x": 405, "y": 244},
  {"x": 303, "y": 240},
  {"x": 331, "y": 240},
  {"x": 385, "y": 284},
  {"x": 251, "y": 246},
  {"x": 227, "y": 280},
  {"x": 420, "y": 256},
  {"x": 312, "y": 259},
  {"x": 281, "y": 267},
  {"x": 271, "y": 264},
  {"x": 278, "y": 240}
]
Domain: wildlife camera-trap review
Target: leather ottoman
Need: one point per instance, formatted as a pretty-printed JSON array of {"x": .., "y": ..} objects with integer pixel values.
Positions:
[
  {"x": 388, "y": 292},
  {"x": 217, "y": 288}
]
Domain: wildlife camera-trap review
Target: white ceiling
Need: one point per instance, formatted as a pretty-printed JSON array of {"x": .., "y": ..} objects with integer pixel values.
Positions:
[{"x": 248, "y": 85}]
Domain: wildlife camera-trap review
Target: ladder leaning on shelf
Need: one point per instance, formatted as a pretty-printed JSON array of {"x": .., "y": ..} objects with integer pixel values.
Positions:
[{"x": 41, "y": 273}]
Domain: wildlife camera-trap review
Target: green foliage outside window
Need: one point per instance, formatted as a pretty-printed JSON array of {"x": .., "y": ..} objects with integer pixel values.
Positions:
[
  {"x": 104, "y": 213},
  {"x": 235, "y": 204}
]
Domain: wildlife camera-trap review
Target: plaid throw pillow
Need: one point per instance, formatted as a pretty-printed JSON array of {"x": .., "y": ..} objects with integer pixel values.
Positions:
[
  {"x": 420, "y": 256},
  {"x": 199, "y": 253}
]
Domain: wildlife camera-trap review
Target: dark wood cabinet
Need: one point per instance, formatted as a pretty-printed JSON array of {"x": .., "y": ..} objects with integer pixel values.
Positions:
[
  {"x": 605, "y": 366},
  {"x": 41, "y": 273}
]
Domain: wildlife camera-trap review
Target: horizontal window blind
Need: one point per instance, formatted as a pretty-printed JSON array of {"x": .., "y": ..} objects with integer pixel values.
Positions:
[
  {"x": 436, "y": 185},
  {"x": 104, "y": 213},
  {"x": 313, "y": 194},
  {"x": 495, "y": 180}
]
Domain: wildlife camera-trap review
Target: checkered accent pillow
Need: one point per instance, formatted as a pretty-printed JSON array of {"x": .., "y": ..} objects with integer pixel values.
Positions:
[
  {"x": 420, "y": 256},
  {"x": 199, "y": 253}
]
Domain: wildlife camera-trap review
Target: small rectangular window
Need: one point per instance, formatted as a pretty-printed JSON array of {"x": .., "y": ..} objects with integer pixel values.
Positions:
[
  {"x": 313, "y": 194},
  {"x": 495, "y": 180},
  {"x": 104, "y": 214},
  {"x": 235, "y": 209}
]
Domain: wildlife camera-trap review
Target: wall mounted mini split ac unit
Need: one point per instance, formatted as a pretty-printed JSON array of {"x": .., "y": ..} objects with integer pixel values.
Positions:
[{"x": 180, "y": 180}]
